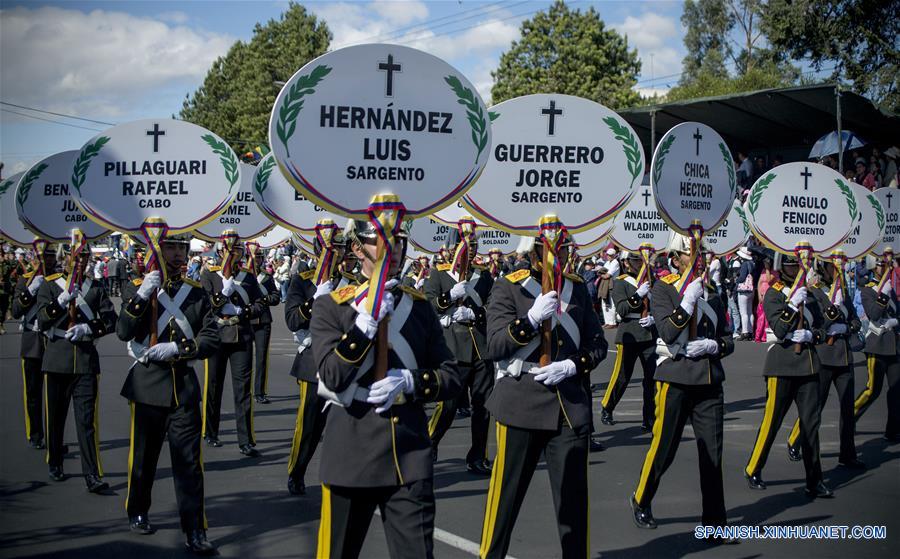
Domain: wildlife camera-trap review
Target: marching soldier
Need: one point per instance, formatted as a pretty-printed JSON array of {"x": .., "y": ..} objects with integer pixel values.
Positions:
[
  {"x": 460, "y": 302},
  {"x": 880, "y": 304},
  {"x": 635, "y": 339},
  {"x": 495, "y": 265},
  {"x": 262, "y": 324},
  {"x": 837, "y": 363},
  {"x": 376, "y": 450},
  {"x": 31, "y": 351},
  {"x": 236, "y": 300},
  {"x": 162, "y": 389},
  {"x": 688, "y": 383},
  {"x": 72, "y": 321},
  {"x": 541, "y": 410},
  {"x": 417, "y": 273},
  {"x": 796, "y": 320}
]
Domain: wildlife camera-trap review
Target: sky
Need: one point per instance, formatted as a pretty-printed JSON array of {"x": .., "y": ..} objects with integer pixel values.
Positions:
[{"x": 112, "y": 62}]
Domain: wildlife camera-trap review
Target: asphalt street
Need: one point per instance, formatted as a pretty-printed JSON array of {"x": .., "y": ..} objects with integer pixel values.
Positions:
[{"x": 251, "y": 514}]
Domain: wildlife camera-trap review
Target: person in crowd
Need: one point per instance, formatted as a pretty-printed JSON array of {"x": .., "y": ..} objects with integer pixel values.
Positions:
[
  {"x": 606, "y": 274},
  {"x": 733, "y": 266},
  {"x": 745, "y": 289},
  {"x": 283, "y": 276},
  {"x": 768, "y": 277}
]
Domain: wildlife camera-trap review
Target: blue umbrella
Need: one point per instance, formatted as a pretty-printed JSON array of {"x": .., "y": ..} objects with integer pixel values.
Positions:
[{"x": 828, "y": 144}]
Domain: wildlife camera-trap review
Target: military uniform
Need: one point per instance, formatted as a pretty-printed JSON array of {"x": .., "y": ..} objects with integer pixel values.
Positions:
[
  {"x": 236, "y": 347},
  {"x": 262, "y": 333},
  {"x": 7, "y": 270},
  {"x": 881, "y": 357},
  {"x": 836, "y": 368},
  {"x": 534, "y": 419},
  {"x": 633, "y": 342},
  {"x": 165, "y": 396},
  {"x": 31, "y": 351},
  {"x": 72, "y": 368},
  {"x": 383, "y": 459},
  {"x": 687, "y": 388},
  {"x": 466, "y": 341}
]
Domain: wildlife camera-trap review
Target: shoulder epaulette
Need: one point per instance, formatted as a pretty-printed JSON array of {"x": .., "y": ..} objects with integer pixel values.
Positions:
[
  {"x": 516, "y": 277},
  {"x": 53, "y": 277},
  {"x": 777, "y": 286},
  {"x": 191, "y": 282},
  {"x": 307, "y": 274},
  {"x": 343, "y": 294},
  {"x": 817, "y": 285},
  {"x": 574, "y": 277},
  {"x": 28, "y": 275},
  {"x": 443, "y": 267},
  {"x": 671, "y": 278},
  {"x": 137, "y": 281},
  {"x": 215, "y": 268},
  {"x": 412, "y": 292},
  {"x": 870, "y": 284}
]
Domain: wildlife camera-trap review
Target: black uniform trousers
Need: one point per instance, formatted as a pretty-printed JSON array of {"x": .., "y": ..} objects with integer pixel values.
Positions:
[
  {"x": 311, "y": 416},
  {"x": 518, "y": 450},
  {"x": 479, "y": 378},
  {"x": 878, "y": 367},
  {"x": 842, "y": 378},
  {"x": 407, "y": 513},
  {"x": 626, "y": 358},
  {"x": 262, "y": 333},
  {"x": 150, "y": 426},
  {"x": 240, "y": 355},
  {"x": 780, "y": 392},
  {"x": 705, "y": 406},
  {"x": 60, "y": 388},
  {"x": 32, "y": 388}
]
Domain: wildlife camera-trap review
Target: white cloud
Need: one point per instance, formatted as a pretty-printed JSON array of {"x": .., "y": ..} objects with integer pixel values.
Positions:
[
  {"x": 173, "y": 17},
  {"x": 400, "y": 12},
  {"x": 102, "y": 63},
  {"x": 649, "y": 31},
  {"x": 483, "y": 37},
  {"x": 655, "y": 38}
]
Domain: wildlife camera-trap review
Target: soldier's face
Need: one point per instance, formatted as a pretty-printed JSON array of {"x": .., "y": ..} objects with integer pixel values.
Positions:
[
  {"x": 367, "y": 251},
  {"x": 175, "y": 256},
  {"x": 49, "y": 261}
]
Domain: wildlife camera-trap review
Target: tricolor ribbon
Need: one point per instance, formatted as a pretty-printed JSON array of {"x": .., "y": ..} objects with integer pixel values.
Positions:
[
  {"x": 887, "y": 260},
  {"x": 325, "y": 232},
  {"x": 78, "y": 244},
  {"x": 466, "y": 227},
  {"x": 252, "y": 265},
  {"x": 493, "y": 266},
  {"x": 386, "y": 215},
  {"x": 229, "y": 240},
  {"x": 39, "y": 246},
  {"x": 646, "y": 251},
  {"x": 804, "y": 253},
  {"x": 553, "y": 234},
  {"x": 695, "y": 232},
  {"x": 839, "y": 285},
  {"x": 154, "y": 230}
]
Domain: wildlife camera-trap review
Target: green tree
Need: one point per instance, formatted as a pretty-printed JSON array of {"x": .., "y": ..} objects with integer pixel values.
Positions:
[
  {"x": 237, "y": 95},
  {"x": 708, "y": 85},
  {"x": 707, "y": 23},
  {"x": 570, "y": 52}
]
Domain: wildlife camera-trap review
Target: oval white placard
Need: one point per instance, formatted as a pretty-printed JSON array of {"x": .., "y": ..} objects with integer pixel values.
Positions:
[
  {"x": 869, "y": 227},
  {"x": 274, "y": 237},
  {"x": 282, "y": 203},
  {"x": 11, "y": 228},
  {"x": 427, "y": 234},
  {"x": 640, "y": 223},
  {"x": 492, "y": 239},
  {"x": 890, "y": 203},
  {"x": 243, "y": 216},
  {"x": 731, "y": 234}
]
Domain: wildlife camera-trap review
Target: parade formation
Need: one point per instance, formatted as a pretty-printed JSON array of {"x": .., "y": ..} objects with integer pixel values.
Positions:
[{"x": 409, "y": 194}]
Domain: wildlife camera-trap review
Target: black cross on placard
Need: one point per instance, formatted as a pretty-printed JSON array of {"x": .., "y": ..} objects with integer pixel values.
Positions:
[
  {"x": 698, "y": 136},
  {"x": 889, "y": 196},
  {"x": 805, "y": 174},
  {"x": 646, "y": 196},
  {"x": 156, "y": 133},
  {"x": 552, "y": 112},
  {"x": 390, "y": 68}
]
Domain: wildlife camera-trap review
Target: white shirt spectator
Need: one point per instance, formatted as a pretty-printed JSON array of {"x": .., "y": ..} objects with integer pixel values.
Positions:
[
  {"x": 715, "y": 272},
  {"x": 612, "y": 268}
]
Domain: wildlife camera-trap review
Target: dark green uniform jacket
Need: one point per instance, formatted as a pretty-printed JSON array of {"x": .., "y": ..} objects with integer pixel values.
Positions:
[
  {"x": 838, "y": 354},
  {"x": 465, "y": 339},
  {"x": 781, "y": 359},
  {"x": 879, "y": 307},
  {"x": 629, "y": 306},
  {"x": 233, "y": 329},
  {"x": 270, "y": 297},
  {"x": 24, "y": 307}
]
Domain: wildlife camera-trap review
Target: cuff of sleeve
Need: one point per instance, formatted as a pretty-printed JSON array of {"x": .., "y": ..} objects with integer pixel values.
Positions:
[
  {"x": 480, "y": 317},
  {"x": 353, "y": 346},
  {"x": 855, "y": 327},
  {"x": 98, "y": 328},
  {"x": 187, "y": 349},
  {"x": 882, "y": 299},
  {"x": 722, "y": 345},
  {"x": 833, "y": 313},
  {"x": 679, "y": 318},
  {"x": 444, "y": 301},
  {"x": 789, "y": 315},
  {"x": 54, "y": 311},
  {"x": 521, "y": 330},
  {"x": 818, "y": 336},
  {"x": 219, "y": 300},
  {"x": 136, "y": 307},
  {"x": 427, "y": 385},
  {"x": 26, "y": 299},
  {"x": 584, "y": 363},
  {"x": 305, "y": 309},
  {"x": 635, "y": 302}
]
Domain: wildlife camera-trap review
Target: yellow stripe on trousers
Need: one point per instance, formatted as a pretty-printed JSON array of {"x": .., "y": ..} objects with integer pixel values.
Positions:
[
  {"x": 130, "y": 455},
  {"x": 494, "y": 492},
  {"x": 435, "y": 417},
  {"x": 771, "y": 388},
  {"x": 25, "y": 402},
  {"x": 662, "y": 388},
  {"x": 298, "y": 427},
  {"x": 205, "y": 393},
  {"x": 97, "y": 429},
  {"x": 617, "y": 368},
  {"x": 324, "y": 550},
  {"x": 866, "y": 394},
  {"x": 795, "y": 433}
]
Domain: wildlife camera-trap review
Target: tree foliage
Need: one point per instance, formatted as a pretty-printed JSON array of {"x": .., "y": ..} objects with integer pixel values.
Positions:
[{"x": 570, "y": 52}]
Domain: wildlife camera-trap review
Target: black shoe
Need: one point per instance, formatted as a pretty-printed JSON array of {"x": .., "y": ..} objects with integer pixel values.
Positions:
[
  {"x": 853, "y": 464},
  {"x": 262, "y": 399},
  {"x": 197, "y": 543},
  {"x": 140, "y": 524},
  {"x": 463, "y": 412},
  {"x": 643, "y": 516},
  {"x": 36, "y": 444},
  {"x": 755, "y": 482},
  {"x": 95, "y": 484},
  {"x": 296, "y": 487},
  {"x": 248, "y": 450},
  {"x": 596, "y": 387},
  {"x": 646, "y": 427},
  {"x": 479, "y": 467},
  {"x": 434, "y": 455},
  {"x": 56, "y": 473},
  {"x": 820, "y": 491},
  {"x": 606, "y": 417},
  {"x": 794, "y": 454},
  {"x": 595, "y": 446},
  {"x": 212, "y": 441}
]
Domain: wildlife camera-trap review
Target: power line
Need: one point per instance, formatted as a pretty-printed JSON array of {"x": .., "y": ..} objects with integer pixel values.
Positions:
[
  {"x": 424, "y": 24},
  {"x": 51, "y": 121},
  {"x": 56, "y": 114},
  {"x": 485, "y": 13},
  {"x": 454, "y": 31}
]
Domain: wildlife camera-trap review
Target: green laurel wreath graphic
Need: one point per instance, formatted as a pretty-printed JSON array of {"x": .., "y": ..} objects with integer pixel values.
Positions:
[
  {"x": 27, "y": 181},
  {"x": 741, "y": 213},
  {"x": 879, "y": 211},
  {"x": 293, "y": 102},
  {"x": 226, "y": 156},
  {"x": 88, "y": 152},
  {"x": 848, "y": 194},
  {"x": 629, "y": 145},
  {"x": 661, "y": 158},
  {"x": 755, "y": 194},
  {"x": 261, "y": 182},
  {"x": 466, "y": 98},
  {"x": 729, "y": 164},
  {"x": 4, "y": 186}
]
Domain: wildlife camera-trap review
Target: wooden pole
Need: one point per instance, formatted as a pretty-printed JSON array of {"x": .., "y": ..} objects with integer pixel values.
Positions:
[{"x": 154, "y": 308}]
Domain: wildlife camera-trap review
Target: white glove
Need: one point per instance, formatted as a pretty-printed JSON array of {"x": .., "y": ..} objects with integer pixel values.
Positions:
[
  {"x": 35, "y": 284},
  {"x": 366, "y": 322},
  {"x": 887, "y": 288},
  {"x": 890, "y": 323},
  {"x": 463, "y": 314},
  {"x": 301, "y": 337},
  {"x": 647, "y": 321},
  {"x": 65, "y": 297},
  {"x": 799, "y": 297},
  {"x": 801, "y": 336},
  {"x": 232, "y": 310},
  {"x": 446, "y": 321},
  {"x": 837, "y": 329},
  {"x": 227, "y": 287},
  {"x": 323, "y": 289},
  {"x": 420, "y": 283},
  {"x": 78, "y": 332},
  {"x": 151, "y": 283},
  {"x": 691, "y": 295},
  {"x": 458, "y": 291},
  {"x": 543, "y": 308},
  {"x": 701, "y": 346},
  {"x": 643, "y": 289},
  {"x": 383, "y": 392},
  {"x": 165, "y": 351},
  {"x": 554, "y": 373}
]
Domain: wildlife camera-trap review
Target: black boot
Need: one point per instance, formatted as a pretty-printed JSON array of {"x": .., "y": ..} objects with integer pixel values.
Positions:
[
  {"x": 755, "y": 482},
  {"x": 606, "y": 417},
  {"x": 197, "y": 543},
  {"x": 643, "y": 516},
  {"x": 296, "y": 486},
  {"x": 212, "y": 441},
  {"x": 595, "y": 446},
  {"x": 140, "y": 524},
  {"x": 480, "y": 467},
  {"x": 95, "y": 484},
  {"x": 794, "y": 454},
  {"x": 37, "y": 443},
  {"x": 820, "y": 491},
  {"x": 56, "y": 473},
  {"x": 248, "y": 450}
]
